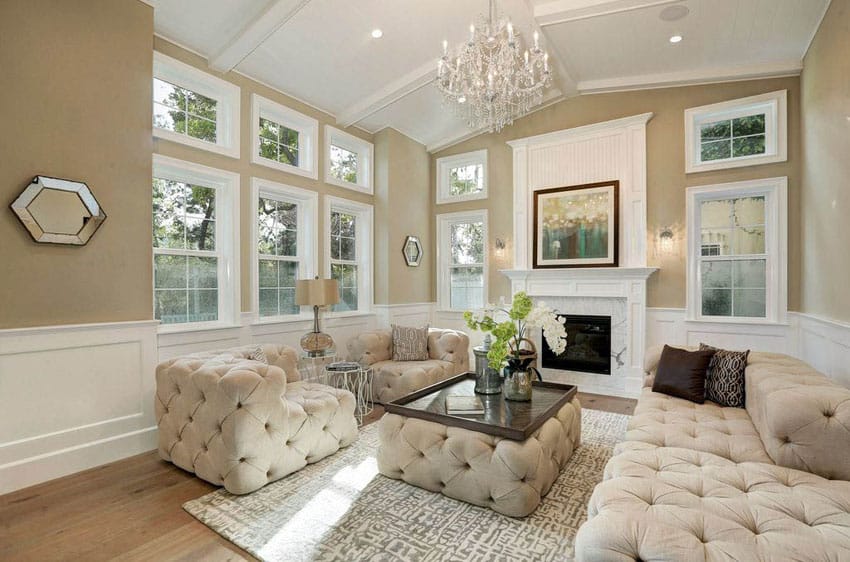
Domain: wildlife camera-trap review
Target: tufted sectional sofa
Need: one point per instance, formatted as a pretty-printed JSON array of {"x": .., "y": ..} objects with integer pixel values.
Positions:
[
  {"x": 240, "y": 423},
  {"x": 448, "y": 352},
  {"x": 699, "y": 482}
]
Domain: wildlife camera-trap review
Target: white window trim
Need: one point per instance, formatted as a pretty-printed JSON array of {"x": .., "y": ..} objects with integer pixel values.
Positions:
[
  {"x": 444, "y": 166},
  {"x": 775, "y": 191},
  {"x": 444, "y": 222},
  {"x": 308, "y": 241},
  {"x": 774, "y": 104},
  {"x": 226, "y": 94},
  {"x": 226, "y": 185},
  {"x": 308, "y": 136},
  {"x": 364, "y": 225},
  {"x": 365, "y": 159}
]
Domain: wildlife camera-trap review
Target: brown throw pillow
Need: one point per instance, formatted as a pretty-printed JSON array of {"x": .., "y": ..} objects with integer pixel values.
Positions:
[
  {"x": 681, "y": 373},
  {"x": 724, "y": 382},
  {"x": 410, "y": 344}
]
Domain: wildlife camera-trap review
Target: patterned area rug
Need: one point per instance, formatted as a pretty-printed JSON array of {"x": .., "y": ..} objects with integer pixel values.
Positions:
[{"x": 341, "y": 509}]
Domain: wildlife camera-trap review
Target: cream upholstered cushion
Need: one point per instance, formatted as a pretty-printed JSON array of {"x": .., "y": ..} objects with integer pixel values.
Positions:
[
  {"x": 394, "y": 379},
  {"x": 802, "y": 416},
  {"x": 237, "y": 423},
  {"x": 448, "y": 352},
  {"x": 673, "y": 504},
  {"x": 665, "y": 421},
  {"x": 507, "y": 476}
]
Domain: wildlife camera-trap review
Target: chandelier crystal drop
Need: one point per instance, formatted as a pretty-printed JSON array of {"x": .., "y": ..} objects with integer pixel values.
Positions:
[{"x": 490, "y": 79}]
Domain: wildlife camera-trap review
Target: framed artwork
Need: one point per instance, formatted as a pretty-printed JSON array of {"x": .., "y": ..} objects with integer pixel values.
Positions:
[{"x": 576, "y": 226}]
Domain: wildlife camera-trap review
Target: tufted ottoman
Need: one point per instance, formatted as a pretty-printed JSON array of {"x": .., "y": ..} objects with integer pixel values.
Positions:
[{"x": 470, "y": 458}]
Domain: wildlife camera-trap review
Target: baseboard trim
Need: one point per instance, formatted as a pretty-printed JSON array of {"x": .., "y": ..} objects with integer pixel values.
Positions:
[{"x": 55, "y": 464}]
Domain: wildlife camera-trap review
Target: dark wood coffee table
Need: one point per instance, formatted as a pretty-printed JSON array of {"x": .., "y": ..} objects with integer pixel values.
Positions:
[
  {"x": 503, "y": 418},
  {"x": 498, "y": 459}
]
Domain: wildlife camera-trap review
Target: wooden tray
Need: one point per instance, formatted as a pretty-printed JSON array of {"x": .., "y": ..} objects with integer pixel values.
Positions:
[{"x": 502, "y": 418}]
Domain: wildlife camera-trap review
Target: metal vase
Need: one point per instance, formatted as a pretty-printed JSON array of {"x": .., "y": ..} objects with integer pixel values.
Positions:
[
  {"x": 488, "y": 381},
  {"x": 518, "y": 376}
]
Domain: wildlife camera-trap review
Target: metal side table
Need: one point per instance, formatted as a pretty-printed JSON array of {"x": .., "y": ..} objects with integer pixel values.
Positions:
[{"x": 357, "y": 381}]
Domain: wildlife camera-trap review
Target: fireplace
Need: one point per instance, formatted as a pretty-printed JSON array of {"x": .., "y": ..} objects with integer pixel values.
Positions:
[{"x": 588, "y": 345}]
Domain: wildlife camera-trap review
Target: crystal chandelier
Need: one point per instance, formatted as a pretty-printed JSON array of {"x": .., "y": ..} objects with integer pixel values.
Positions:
[{"x": 490, "y": 80}]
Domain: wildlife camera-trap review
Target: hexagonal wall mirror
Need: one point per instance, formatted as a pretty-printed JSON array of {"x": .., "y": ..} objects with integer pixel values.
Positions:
[
  {"x": 57, "y": 211},
  {"x": 412, "y": 251}
]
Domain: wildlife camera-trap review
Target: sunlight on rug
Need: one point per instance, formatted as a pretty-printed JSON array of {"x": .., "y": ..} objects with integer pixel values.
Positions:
[{"x": 341, "y": 509}]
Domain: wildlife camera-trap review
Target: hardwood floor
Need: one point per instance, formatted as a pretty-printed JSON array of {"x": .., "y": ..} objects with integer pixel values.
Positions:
[{"x": 131, "y": 510}]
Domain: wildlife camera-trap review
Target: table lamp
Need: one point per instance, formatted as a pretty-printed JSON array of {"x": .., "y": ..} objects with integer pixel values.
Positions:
[{"x": 316, "y": 293}]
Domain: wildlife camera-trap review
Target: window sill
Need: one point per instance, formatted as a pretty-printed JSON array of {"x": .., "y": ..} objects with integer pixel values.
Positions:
[
  {"x": 167, "y": 329},
  {"x": 288, "y": 168},
  {"x": 741, "y": 321},
  {"x": 271, "y": 320},
  {"x": 448, "y": 199},
  {"x": 352, "y": 314},
  {"x": 367, "y": 189}
]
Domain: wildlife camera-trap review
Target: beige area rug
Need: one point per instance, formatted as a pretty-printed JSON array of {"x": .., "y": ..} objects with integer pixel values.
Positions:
[{"x": 341, "y": 509}]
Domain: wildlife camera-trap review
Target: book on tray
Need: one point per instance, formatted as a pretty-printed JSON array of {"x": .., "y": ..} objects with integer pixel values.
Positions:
[{"x": 464, "y": 405}]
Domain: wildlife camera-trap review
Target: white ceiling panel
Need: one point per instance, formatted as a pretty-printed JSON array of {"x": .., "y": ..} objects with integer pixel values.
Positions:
[
  {"x": 203, "y": 25},
  {"x": 326, "y": 55},
  {"x": 718, "y": 34}
]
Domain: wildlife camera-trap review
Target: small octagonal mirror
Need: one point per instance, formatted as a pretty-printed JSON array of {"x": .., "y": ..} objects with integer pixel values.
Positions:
[
  {"x": 57, "y": 211},
  {"x": 412, "y": 251}
]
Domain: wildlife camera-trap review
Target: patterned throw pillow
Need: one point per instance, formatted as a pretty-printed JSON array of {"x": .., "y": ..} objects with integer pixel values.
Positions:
[
  {"x": 257, "y": 354},
  {"x": 410, "y": 344},
  {"x": 724, "y": 382}
]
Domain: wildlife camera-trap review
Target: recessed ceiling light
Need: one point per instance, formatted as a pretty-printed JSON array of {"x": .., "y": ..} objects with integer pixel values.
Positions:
[
  {"x": 377, "y": 33},
  {"x": 675, "y": 38},
  {"x": 461, "y": 99}
]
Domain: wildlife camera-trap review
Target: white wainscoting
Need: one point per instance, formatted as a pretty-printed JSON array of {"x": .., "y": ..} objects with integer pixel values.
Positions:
[
  {"x": 669, "y": 325},
  {"x": 341, "y": 328},
  {"x": 412, "y": 314},
  {"x": 74, "y": 397},
  {"x": 825, "y": 345}
]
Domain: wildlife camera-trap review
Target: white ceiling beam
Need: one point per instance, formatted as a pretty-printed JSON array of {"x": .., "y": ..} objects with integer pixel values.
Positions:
[
  {"x": 388, "y": 95},
  {"x": 254, "y": 33},
  {"x": 561, "y": 11},
  {"x": 692, "y": 77}
]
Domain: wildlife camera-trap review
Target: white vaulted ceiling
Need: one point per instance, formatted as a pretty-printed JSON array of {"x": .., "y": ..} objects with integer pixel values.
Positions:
[{"x": 321, "y": 51}]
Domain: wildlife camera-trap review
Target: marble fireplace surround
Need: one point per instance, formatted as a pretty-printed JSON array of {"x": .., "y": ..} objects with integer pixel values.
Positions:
[{"x": 611, "y": 150}]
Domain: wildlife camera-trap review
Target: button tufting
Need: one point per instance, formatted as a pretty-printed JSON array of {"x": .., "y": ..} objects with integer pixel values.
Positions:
[
  {"x": 238, "y": 405},
  {"x": 242, "y": 459},
  {"x": 191, "y": 419}
]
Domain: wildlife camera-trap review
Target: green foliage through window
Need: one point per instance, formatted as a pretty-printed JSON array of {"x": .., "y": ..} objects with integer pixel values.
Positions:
[
  {"x": 732, "y": 138},
  {"x": 185, "y": 263},
  {"x": 343, "y": 164},
  {"x": 278, "y": 142},
  {"x": 464, "y": 180},
  {"x": 344, "y": 259},
  {"x": 184, "y": 111}
]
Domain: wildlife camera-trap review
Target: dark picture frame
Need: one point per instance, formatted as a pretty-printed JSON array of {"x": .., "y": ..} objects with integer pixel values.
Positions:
[{"x": 582, "y": 239}]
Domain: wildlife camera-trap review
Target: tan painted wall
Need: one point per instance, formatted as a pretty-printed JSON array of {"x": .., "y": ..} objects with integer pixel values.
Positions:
[
  {"x": 402, "y": 208},
  {"x": 666, "y": 178},
  {"x": 825, "y": 230},
  {"x": 246, "y": 169},
  {"x": 75, "y": 103}
]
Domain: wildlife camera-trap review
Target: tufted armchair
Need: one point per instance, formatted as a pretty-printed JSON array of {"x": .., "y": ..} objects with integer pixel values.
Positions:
[
  {"x": 240, "y": 423},
  {"x": 702, "y": 482},
  {"x": 448, "y": 352}
]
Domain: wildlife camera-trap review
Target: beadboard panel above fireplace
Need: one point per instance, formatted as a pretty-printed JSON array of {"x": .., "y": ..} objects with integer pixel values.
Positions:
[{"x": 611, "y": 150}]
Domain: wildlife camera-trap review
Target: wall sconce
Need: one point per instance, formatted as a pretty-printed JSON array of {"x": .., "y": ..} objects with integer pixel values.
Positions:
[
  {"x": 666, "y": 242},
  {"x": 500, "y": 247}
]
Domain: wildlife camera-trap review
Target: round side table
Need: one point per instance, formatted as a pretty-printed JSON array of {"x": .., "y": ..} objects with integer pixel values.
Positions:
[
  {"x": 312, "y": 366},
  {"x": 357, "y": 381}
]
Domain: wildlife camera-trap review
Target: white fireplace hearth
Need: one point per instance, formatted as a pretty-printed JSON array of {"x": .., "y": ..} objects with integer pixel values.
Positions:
[
  {"x": 612, "y": 150},
  {"x": 618, "y": 292}
]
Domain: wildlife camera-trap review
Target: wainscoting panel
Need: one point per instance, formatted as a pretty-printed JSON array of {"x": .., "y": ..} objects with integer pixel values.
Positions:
[
  {"x": 825, "y": 345},
  {"x": 413, "y": 314},
  {"x": 74, "y": 397},
  {"x": 669, "y": 325}
]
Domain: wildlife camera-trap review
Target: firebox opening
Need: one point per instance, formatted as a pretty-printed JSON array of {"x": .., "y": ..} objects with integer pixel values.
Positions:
[{"x": 588, "y": 345}]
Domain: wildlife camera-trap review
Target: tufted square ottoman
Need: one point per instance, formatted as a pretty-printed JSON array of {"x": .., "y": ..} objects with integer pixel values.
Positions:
[{"x": 506, "y": 460}]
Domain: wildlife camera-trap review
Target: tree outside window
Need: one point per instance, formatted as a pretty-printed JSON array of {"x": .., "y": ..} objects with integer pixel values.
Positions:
[{"x": 184, "y": 111}]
